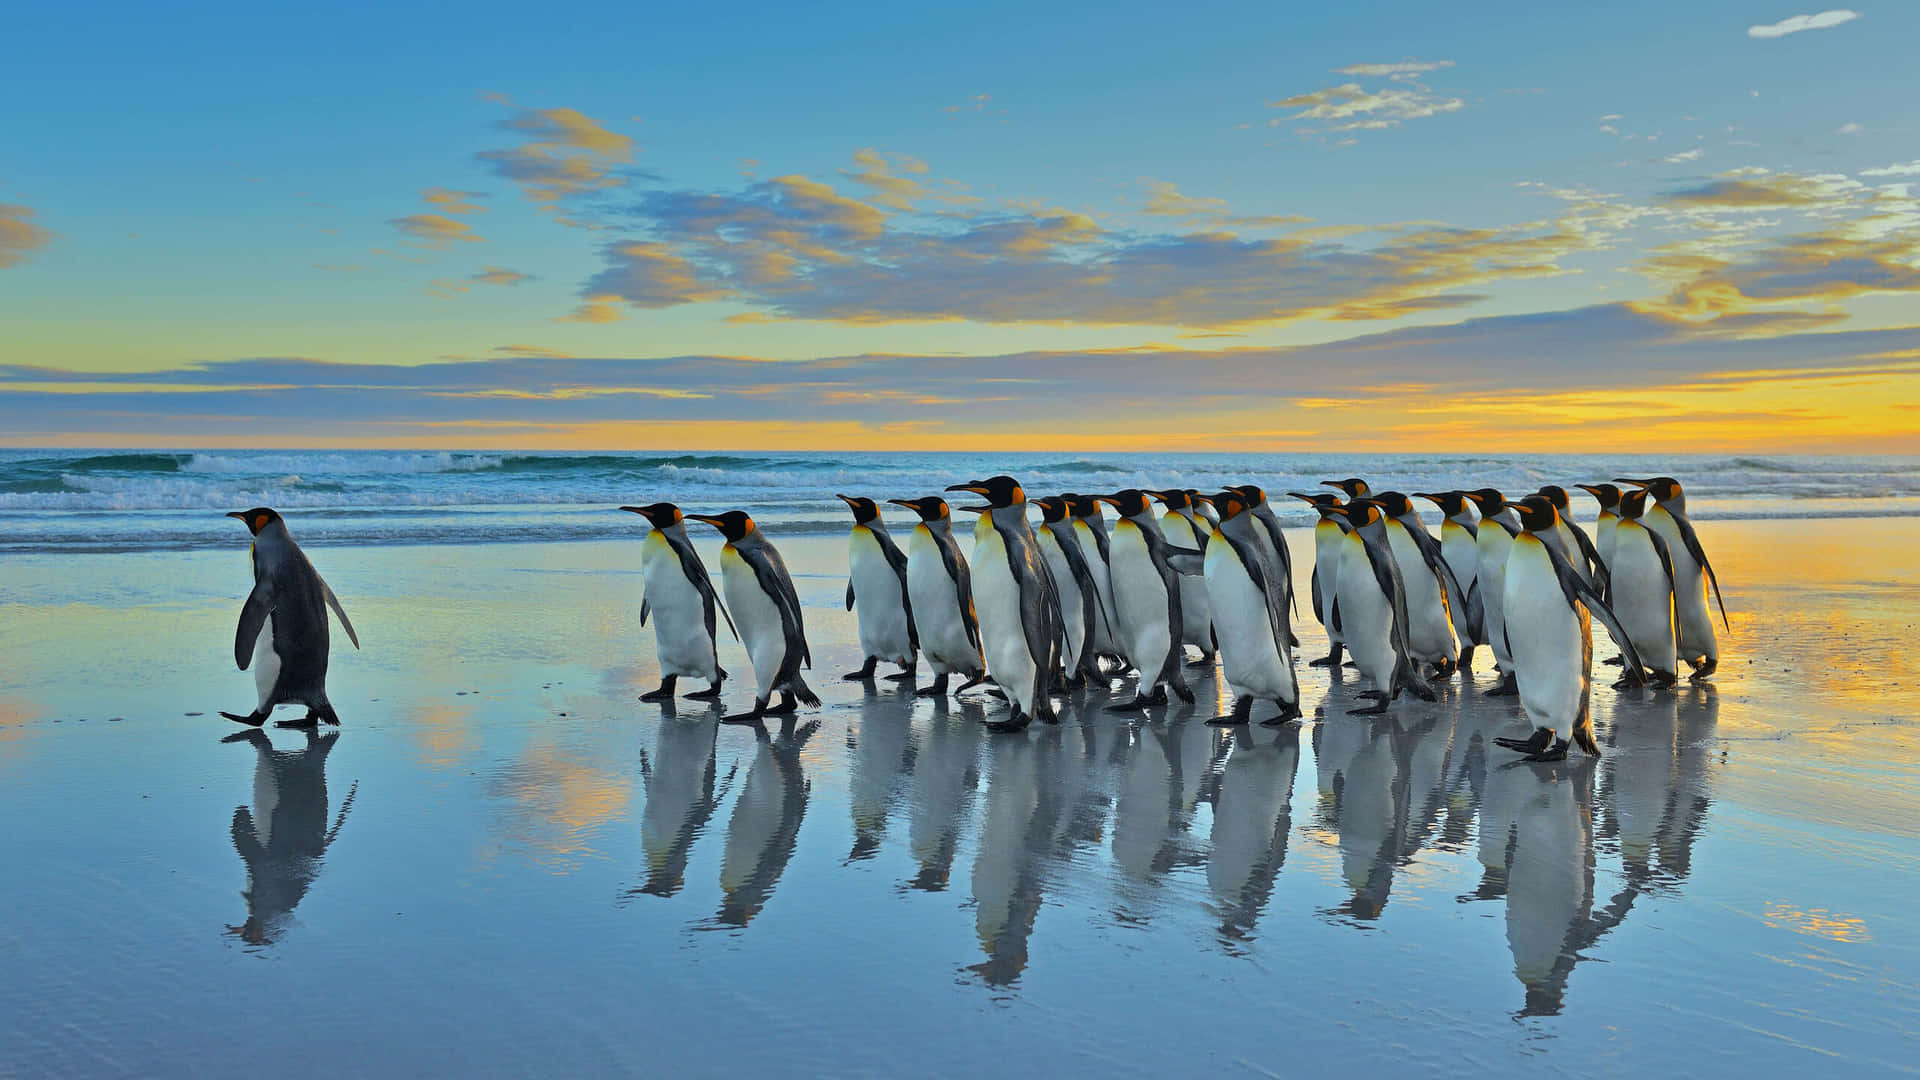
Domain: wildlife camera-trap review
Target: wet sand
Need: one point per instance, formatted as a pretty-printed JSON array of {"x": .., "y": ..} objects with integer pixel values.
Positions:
[{"x": 505, "y": 864}]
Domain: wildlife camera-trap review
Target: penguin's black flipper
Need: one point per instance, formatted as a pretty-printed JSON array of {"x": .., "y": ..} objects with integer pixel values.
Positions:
[
  {"x": 1578, "y": 590},
  {"x": 345, "y": 623},
  {"x": 646, "y": 607},
  {"x": 253, "y": 617},
  {"x": 1602, "y": 574},
  {"x": 849, "y": 594},
  {"x": 1692, "y": 540},
  {"x": 1186, "y": 561}
]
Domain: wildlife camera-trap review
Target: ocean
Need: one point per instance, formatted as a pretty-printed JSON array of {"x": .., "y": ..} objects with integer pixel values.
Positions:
[{"x": 109, "y": 501}]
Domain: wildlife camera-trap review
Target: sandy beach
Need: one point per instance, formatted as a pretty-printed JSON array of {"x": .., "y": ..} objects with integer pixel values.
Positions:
[{"x": 503, "y": 861}]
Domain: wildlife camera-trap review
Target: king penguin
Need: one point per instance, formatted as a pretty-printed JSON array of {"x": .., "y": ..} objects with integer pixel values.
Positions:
[
  {"x": 1431, "y": 590},
  {"x": 1327, "y": 534},
  {"x": 940, "y": 587},
  {"x": 1146, "y": 600},
  {"x": 1642, "y": 594},
  {"x": 1182, "y": 530},
  {"x": 1273, "y": 540},
  {"x": 1090, "y": 529},
  {"x": 1373, "y": 607},
  {"x": 1459, "y": 536},
  {"x": 1579, "y": 548},
  {"x": 1548, "y": 608},
  {"x": 1608, "y": 496},
  {"x": 1692, "y": 573},
  {"x": 1017, "y": 601},
  {"x": 283, "y": 626},
  {"x": 877, "y": 590},
  {"x": 1493, "y": 541},
  {"x": 1355, "y": 487},
  {"x": 775, "y": 633},
  {"x": 1250, "y": 615},
  {"x": 681, "y": 600},
  {"x": 1080, "y": 612}
]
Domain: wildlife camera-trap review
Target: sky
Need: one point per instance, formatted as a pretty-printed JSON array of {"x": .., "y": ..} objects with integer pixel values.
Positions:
[{"x": 1495, "y": 227}]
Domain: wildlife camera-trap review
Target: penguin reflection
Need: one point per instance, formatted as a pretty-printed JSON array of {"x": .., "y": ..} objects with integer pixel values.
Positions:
[
  {"x": 1388, "y": 789},
  {"x": 679, "y": 778},
  {"x": 1160, "y": 786},
  {"x": 1549, "y": 873},
  {"x": 765, "y": 826},
  {"x": 1006, "y": 868},
  {"x": 284, "y": 835},
  {"x": 944, "y": 779},
  {"x": 1252, "y": 815},
  {"x": 883, "y": 751}
]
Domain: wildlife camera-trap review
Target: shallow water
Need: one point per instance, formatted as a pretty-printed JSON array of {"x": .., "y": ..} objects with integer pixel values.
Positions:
[{"x": 503, "y": 863}]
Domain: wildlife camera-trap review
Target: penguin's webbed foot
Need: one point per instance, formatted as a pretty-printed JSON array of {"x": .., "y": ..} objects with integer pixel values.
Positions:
[
  {"x": 1242, "y": 712},
  {"x": 787, "y": 706},
  {"x": 865, "y": 672},
  {"x": 711, "y": 693},
  {"x": 252, "y": 719},
  {"x": 1289, "y": 712},
  {"x": 753, "y": 717},
  {"x": 1506, "y": 687},
  {"x": 1015, "y": 721},
  {"x": 907, "y": 673},
  {"x": 1181, "y": 690},
  {"x": 1205, "y": 661},
  {"x": 1614, "y": 661},
  {"x": 1375, "y": 709},
  {"x": 307, "y": 722},
  {"x": 1705, "y": 670},
  {"x": 1540, "y": 740},
  {"x": 1556, "y": 752},
  {"x": 664, "y": 691}
]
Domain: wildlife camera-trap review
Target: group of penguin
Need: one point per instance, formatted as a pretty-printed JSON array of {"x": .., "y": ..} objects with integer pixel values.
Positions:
[{"x": 1042, "y": 612}]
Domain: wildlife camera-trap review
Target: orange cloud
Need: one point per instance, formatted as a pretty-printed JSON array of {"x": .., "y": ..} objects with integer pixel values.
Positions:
[
  {"x": 569, "y": 153},
  {"x": 436, "y": 230},
  {"x": 19, "y": 235}
]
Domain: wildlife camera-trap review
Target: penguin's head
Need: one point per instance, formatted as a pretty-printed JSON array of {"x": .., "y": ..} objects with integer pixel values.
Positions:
[
  {"x": 735, "y": 525},
  {"x": 1632, "y": 504},
  {"x": 1606, "y": 495},
  {"x": 931, "y": 508},
  {"x": 1131, "y": 502},
  {"x": 999, "y": 491},
  {"x": 1082, "y": 505},
  {"x": 1361, "y": 512},
  {"x": 1319, "y": 500},
  {"x": 863, "y": 509},
  {"x": 1537, "y": 513},
  {"x": 659, "y": 515},
  {"x": 1394, "y": 503},
  {"x": 1053, "y": 508},
  {"x": 1230, "y": 503},
  {"x": 1254, "y": 494},
  {"x": 1355, "y": 487},
  {"x": 1175, "y": 499},
  {"x": 257, "y": 518},
  {"x": 1488, "y": 500},
  {"x": 1662, "y": 488},
  {"x": 1449, "y": 502},
  {"x": 1556, "y": 495}
]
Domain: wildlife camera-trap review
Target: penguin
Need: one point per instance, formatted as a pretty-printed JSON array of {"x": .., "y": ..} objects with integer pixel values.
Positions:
[
  {"x": 1642, "y": 593},
  {"x": 877, "y": 586},
  {"x": 1608, "y": 496},
  {"x": 1250, "y": 615},
  {"x": 283, "y": 626},
  {"x": 680, "y": 597},
  {"x": 940, "y": 587},
  {"x": 1548, "y": 608},
  {"x": 1355, "y": 487},
  {"x": 1327, "y": 534},
  {"x": 1090, "y": 529},
  {"x": 1178, "y": 525},
  {"x": 1081, "y": 617},
  {"x": 1373, "y": 607},
  {"x": 1694, "y": 633},
  {"x": 1579, "y": 547},
  {"x": 1430, "y": 588},
  {"x": 1017, "y": 602},
  {"x": 772, "y": 628},
  {"x": 1459, "y": 536},
  {"x": 1272, "y": 540},
  {"x": 1493, "y": 541},
  {"x": 1146, "y": 600},
  {"x": 1203, "y": 509}
]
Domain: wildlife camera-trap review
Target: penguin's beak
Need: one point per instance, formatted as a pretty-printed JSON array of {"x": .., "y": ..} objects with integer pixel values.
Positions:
[
  {"x": 975, "y": 487},
  {"x": 239, "y": 515},
  {"x": 900, "y": 502},
  {"x": 848, "y": 499},
  {"x": 1341, "y": 510},
  {"x": 713, "y": 521},
  {"x": 628, "y": 509},
  {"x": 1429, "y": 496},
  {"x": 1108, "y": 499},
  {"x": 1303, "y": 497},
  {"x": 1635, "y": 483},
  {"x": 1333, "y": 484},
  {"x": 973, "y": 509}
]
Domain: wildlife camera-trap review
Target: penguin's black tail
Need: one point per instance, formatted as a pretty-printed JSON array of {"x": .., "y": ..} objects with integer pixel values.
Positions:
[{"x": 802, "y": 692}]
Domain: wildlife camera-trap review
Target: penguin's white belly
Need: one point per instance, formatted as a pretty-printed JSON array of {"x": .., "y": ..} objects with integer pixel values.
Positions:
[
  {"x": 1642, "y": 597},
  {"x": 1251, "y": 659},
  {"x": 1196, "y": 616},
  {"x": 1366, "y": 614},
  {"x": 265, "y": 663},
  {"x": 1693, "y": 625},
  {"x": 1140, "y": 602},
  {"x": 1550, "y": 640},
  {"x": 877, "y": 601},
  {"x": 1429, "y": 626},
  {"x": 679, "y": 615},
  {"x": 757, "y": 618},
  {"x": 936, "y": 609},
  {"x": 1604, "y": 538},
  {"x": 1003, "y": 633},
  {"x": 1073, "y": 615},
  {"x": 1490, "y": 570},
  {"x": 1326, "y": 568},
  {"x": 1457, "y": 548}
]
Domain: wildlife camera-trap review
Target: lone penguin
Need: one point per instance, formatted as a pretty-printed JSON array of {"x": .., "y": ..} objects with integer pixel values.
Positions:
[{"x": 283, "y": 626}]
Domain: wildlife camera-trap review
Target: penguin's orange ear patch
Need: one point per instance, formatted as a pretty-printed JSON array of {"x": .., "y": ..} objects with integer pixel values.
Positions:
[{"x": 259, "y": 522}]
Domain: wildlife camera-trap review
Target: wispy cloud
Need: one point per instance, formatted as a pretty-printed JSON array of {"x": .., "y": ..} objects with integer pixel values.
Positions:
[
  {"x": 1402, "y": 71},
  {"x": 1352, "y": 107},
  {"x": 500, "y": 275},
  {"x": 1848, "y": 128},
  {"x": 1694, "y": 154},
  {"x": 1794, "y": 24},
  {"x": 436, "y": 230},
  {"x": 567, "y": 153},
  {"x": 19, "y": 236},
  {"x": 1166, "y": 200},
  {"x": 1911, "y": 168},
  {"x": 451, "y": 201}
]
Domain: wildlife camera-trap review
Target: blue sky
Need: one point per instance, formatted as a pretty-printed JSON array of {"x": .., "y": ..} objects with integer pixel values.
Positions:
[{"x": 198, "y": 188}]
